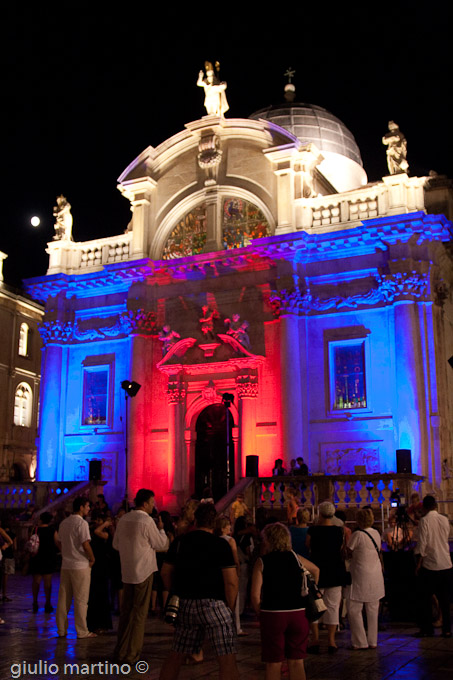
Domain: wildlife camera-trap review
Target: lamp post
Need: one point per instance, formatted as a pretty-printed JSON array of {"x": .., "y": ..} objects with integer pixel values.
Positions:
[
  {"x": 227, "y": 400},
  {"x": 130, "y": 390}
]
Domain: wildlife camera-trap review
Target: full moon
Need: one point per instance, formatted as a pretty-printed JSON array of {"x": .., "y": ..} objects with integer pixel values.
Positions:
[{"x": 35, "y": 221}]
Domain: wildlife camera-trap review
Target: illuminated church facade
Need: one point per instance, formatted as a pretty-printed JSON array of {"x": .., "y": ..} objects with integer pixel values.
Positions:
[{"x": 258, "y": 262}]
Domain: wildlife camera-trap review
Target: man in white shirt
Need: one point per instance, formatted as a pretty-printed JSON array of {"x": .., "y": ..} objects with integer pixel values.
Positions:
[
  {"x": 73, "y": 540},
  {"x": 434, "y": 568},
  {"x": 137, "y": 538}
]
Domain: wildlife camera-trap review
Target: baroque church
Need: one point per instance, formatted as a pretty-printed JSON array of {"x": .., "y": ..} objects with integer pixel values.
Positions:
[{"x": 270, "y": 302}]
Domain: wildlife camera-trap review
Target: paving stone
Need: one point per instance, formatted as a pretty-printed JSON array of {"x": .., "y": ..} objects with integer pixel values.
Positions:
[{"x": 28, "y": 637}]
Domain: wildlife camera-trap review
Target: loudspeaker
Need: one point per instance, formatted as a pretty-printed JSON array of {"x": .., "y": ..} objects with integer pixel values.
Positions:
[
  {"x": 403, "y": 460},
  {"x": 251, "y": 466},
  {"x": 95, "y": 470}
]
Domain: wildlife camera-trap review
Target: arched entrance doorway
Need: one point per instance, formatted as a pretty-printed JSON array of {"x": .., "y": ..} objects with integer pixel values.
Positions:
[{"x": 211, "y": 466}]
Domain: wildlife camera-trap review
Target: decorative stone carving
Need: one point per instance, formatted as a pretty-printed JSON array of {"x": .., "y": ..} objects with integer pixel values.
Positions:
[
  {"x": 120, "y": 327},
  {"x": 209, "y": 152},
  {"x": 343, "y": 459},
  {"x": 238, "y": 330},
  {"x": 168, "y": 338},
  {"x": 215, "y": 100},
  {"x": 207, "y": 321},
  {"x": 397, "y": 149},
  {"x": 390, "y": 287},
  {"x": 68, "y": 331},
  {"x": 63, "y": 220},
  {"x": 140, "y": 321},
  {"x": 176, "y": 393},
  {"x": 440, "y": 293},
  {"x": 247, "y": 387},
  {"x": 56, "y": 331},
  {"x": 210, "y": 395}
]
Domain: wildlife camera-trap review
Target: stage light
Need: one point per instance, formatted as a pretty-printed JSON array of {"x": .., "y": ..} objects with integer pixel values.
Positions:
[{"x": 130, "y": 387}]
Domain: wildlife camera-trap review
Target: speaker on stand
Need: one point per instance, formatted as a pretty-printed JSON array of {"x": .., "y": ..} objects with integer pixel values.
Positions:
[
  {"x": 403, "y": 460},
  {"x": 251, "y": 466}
]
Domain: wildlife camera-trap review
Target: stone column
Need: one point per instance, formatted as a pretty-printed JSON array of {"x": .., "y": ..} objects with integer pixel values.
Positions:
[
  {"x": 247, "y": 391},
  {"x": 136, "y": 439},
  {"x": 49, "y": 442},
  {"x": 291, "y": 389},
  {"x": 213, "y": 237},
  {"x": 176, "y": 394},
  {"x": 409, "y": 388}
]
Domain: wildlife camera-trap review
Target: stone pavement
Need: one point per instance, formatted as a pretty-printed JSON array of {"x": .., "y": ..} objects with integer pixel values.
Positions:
[{"x": 28, "y": 638}]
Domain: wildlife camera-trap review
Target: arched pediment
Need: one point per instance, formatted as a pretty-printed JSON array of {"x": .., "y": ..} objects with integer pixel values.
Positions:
[{"x": 223, "y": 354}]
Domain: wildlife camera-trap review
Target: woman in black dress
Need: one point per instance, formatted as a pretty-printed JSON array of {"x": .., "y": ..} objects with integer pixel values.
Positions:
[
  {"x": 325, "y": 541},
  {"x": 44, "y": 563}
]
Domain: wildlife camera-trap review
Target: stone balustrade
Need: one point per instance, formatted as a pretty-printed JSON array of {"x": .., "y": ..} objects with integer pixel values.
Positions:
[
  {"x": 19, "y": 495},
  {"x": 395, "y": 194},
  {"x": 346, "y": 491},
  {"x": 74, "y": 258}
]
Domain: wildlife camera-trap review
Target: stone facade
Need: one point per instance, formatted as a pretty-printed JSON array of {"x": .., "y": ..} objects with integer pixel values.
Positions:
[{"x": 346, "y": 296}]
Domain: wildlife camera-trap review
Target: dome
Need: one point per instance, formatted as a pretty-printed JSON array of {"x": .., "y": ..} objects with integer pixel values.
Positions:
[
  {"x": 314, "y": 124},
  {"x": 311, "y": 123}
]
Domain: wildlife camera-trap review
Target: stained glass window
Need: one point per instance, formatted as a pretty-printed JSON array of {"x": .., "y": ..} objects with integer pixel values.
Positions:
[
  {"x": 242, "y": 222},
  {"x": 189, "y": 235},
  {"x": 349, "y": 376},
  {"x": 95, "y": 393}
]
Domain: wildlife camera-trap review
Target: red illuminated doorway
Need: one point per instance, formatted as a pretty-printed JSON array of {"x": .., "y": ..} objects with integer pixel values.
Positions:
[{"x": 211, "y": 466}]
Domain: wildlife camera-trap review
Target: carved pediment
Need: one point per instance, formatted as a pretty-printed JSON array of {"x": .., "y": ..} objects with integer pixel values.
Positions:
[{"x": 223, "y": 353}]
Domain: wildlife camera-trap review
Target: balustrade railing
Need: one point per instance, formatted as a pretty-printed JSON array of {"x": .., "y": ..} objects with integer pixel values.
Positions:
[{"x": 346, "y": 491}]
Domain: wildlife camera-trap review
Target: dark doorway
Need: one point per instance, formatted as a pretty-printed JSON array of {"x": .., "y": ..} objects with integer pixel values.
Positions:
[{"x": 211, "y": 469}]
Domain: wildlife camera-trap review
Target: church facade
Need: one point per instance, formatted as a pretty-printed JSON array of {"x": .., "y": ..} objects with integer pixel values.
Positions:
[{"x": 258, "y": 263}]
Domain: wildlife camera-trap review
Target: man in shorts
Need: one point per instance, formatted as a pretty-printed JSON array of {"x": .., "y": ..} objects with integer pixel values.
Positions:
[{"x": 200, "y": 569}]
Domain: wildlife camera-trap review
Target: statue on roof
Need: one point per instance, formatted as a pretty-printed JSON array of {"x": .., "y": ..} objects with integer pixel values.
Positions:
[
  {"x": 63, "y": 220},
  {"x": 397, "y": 149},
  {"x": 215, "y": 100}
]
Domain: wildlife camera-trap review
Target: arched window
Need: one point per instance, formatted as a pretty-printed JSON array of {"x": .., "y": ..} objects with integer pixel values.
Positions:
[
  {"x": 240, "y": 223},
  {"x": 23, "y": 405},
  {"x": 23, "y": 339}
]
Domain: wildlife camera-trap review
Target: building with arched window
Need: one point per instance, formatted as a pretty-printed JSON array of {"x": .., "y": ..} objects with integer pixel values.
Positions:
[
  {"x": 20, "y": 375},
  {"x": 258, "y": 262}
]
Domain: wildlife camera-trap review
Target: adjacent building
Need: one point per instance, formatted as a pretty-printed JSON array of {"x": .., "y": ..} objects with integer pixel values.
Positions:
[{"x": 20, "y": 375}]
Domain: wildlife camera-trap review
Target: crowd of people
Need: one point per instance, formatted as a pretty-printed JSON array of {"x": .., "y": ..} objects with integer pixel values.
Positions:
[{"x": 214, "y": 567}]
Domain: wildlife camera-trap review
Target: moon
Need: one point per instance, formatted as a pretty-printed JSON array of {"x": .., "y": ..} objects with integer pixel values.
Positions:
[{"x": 35, "y": 221}]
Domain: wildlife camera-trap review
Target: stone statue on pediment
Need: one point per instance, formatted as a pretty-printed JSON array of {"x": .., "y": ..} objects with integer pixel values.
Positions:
[
  {"x": 63, "y": 220},
  {"x": 215, "y": 100},
  {"x": 168, "y": 338},
  {"x": 207, "y": 321},
  {"x": 396, "y": 149},
  {"x": 238, "y": 330}
]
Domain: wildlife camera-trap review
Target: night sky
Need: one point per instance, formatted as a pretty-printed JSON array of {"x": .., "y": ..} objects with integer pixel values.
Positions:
[{"x": 86, "y": 88}]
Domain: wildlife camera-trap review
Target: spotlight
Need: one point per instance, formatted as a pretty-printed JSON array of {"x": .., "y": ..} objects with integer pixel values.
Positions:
[{"x": 130, "y": 387}]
